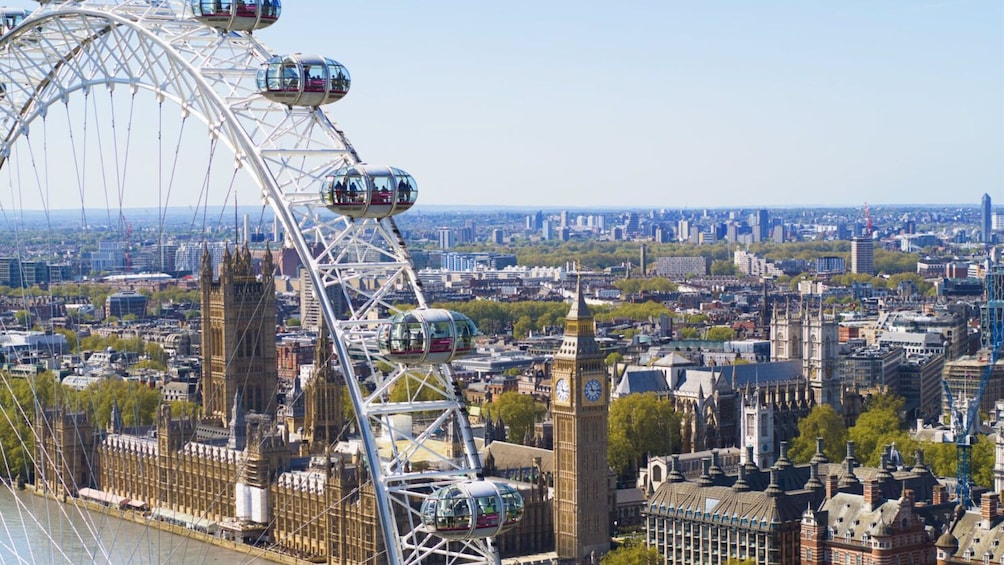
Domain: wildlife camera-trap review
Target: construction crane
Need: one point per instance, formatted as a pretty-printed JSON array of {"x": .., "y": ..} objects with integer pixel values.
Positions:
[
  {"x": 868, "y": 222},
  {"x": 965, "y": 411}
]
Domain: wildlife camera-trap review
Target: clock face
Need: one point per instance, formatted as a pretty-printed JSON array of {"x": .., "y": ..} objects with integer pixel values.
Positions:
[
  {"x": 593, "y": 390},
  {"x": 562, "y": 390}
]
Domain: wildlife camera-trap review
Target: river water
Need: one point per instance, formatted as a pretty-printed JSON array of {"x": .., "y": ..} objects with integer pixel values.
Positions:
[{"x": 37, "y": 530}]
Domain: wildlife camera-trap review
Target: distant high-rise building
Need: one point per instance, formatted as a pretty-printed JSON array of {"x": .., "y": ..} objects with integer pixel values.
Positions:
[
  {"x": 564, "y": 218},
  {"x": 760, "y": 222},
  {"x": 777, "y": 234},
  {"x": 683, "y": 230},
  {"x": 987, "y": 236},
  {"x": 732, "y": 232},
  {"x": 446, "y": 238},
  {"x": 498, "y": 236},
  {"x": 643, "y": 259},
  {"x": 863, "y": 255},
  {"x": 545, "y": 230},
  {"x": 632, "y": 224}
]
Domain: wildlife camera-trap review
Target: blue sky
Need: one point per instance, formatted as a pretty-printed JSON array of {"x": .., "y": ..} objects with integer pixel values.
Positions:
[
  {"x": 667, "y": 103},
  {"x": 675, "y": 104}
]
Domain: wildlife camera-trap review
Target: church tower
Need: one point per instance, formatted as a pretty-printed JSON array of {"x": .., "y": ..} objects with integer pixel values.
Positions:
[
  {"x": 323, "y": 418},
  {"x": 757, "y": 429},
  {"x": 786, "y": 336},
  {"x": 238, "y": 336},
  {"x": 580, "y": 402},
  {"x": 819, "y": 360}
]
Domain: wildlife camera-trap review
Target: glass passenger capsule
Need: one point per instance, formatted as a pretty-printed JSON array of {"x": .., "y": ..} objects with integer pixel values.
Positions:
[
  {"x": 10, "y": 18},
  {"x": 472, "y": 509},
  {"x": 368, "y": 191},
  {"x": 237, "y": 15},
  {"x": 303, "y": 80},
  {"x": 427, "y": 336}
]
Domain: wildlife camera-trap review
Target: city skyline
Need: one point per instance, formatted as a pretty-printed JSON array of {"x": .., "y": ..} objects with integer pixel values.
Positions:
[{"x": 714, "y": 105}]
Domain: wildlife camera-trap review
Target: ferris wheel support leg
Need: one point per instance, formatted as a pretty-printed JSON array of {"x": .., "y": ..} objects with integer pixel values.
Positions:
[{"x": 496, "y": 557}]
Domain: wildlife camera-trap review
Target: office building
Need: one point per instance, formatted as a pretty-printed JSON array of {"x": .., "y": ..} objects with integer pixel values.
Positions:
[
  {"x": 863, "y": 255},
  {"x": 986, "y": 226}
]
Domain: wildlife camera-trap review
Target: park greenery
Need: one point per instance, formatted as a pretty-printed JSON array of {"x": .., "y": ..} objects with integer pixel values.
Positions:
[{"x": 599, "y": 255}]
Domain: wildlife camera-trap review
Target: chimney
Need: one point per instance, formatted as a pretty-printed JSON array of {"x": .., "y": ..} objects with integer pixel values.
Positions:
[
  {"x": 873, "y": 495},
  {"x": 782, "y": 460},
  {"x": 939, "y": 494},
  {"x": 716, "y": 466},
  {"x": 850, "y": 453},
  {"x": 819, "y": 456},
  {"x": 705, "y": 478},
  {"x": 832, "y": 485},
  {"x": 774, "y": 488},
  {"x": 908, "y": 497},
  {"x": 988, "y": 509},
  {"x": 751, "y": 462}
]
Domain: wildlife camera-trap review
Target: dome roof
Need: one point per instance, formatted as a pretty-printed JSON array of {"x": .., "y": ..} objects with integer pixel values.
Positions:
[{"x": 947, "y": 541}]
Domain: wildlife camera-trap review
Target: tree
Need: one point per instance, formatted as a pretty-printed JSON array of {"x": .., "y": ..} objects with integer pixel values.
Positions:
[
  {"x": 874, "y": 429},
  {"x": 155, "y": 353},
  {"x": 720, "y": 333},
  {"x": 137, "y": 403},
  {"x": 519, "y": 412},
  {"x": 737, "y": 561},
  {"x": 722, "y": 267},
  {"x": 632, "y": 554},
  {"x": 413, "y": 388},
  {"x": 690, "y": 333},
  {"x": 613, "y": 359},
  {"x": 23, "y": 317},
  {"x": 71, "y": 338},
  {"x": 18, "y": 401},
  {"x": 640, "y": 425},
  {"x": 150, "y": 364},
  {"x": 523, "y": 326},
  {"x": 293, "y": 322},
  {"x": 823, "y": 421}
]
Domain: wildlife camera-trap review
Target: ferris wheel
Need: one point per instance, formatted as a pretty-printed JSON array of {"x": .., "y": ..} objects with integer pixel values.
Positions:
[{"x": 81, "y": 82}]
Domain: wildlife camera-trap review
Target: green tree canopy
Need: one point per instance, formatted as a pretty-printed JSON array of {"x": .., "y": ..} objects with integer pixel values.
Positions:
[
  {"x": 137, "y": 403},
  {"x": 632, "y": 554},
  {"x": 652, "y": 284},
  {"x": 876, "y": 428},
  {"x": 823, "y": 421},
  {"x": 18, "y": 403},
  {"x": 720, "y": 333},
  {"x": 519, "y": 412},
  {"x": 722, "y": 267},
  {"x": 640, "y": 425},
  {"x": 613, "y": 359}
]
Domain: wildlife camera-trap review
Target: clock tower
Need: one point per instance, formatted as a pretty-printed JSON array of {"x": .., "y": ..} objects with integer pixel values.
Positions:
[{"x": 580, "y": 402}]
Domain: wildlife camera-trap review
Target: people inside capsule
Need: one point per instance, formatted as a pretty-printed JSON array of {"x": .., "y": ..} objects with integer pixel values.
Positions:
[
  {"x": 368, "y": 191},
  {"x": 427, "y": 335},
  {"x": 472, "y": 509},
  {"x": 300, "y": 80},
  {"x": 239, "y": 15}
]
